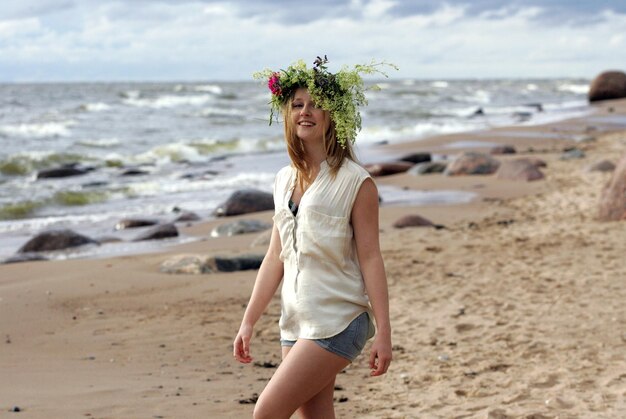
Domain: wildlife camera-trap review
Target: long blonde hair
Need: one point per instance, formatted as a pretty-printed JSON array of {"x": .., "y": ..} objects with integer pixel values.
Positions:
[{"x": 335, "y": 153}]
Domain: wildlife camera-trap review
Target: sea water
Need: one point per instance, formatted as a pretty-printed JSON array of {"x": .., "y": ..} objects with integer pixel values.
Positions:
[{"x": 192, "y": 144}]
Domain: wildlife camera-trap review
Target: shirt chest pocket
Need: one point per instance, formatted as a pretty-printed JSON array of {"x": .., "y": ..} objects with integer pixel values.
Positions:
[{"x": 323, "y": 238}]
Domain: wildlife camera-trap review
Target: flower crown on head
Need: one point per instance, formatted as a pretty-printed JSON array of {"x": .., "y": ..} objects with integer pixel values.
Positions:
[{"x": 340, "y": 94}]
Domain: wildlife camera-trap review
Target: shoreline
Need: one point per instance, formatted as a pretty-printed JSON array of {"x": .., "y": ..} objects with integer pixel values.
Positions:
[{"x": 514, "y": 309}]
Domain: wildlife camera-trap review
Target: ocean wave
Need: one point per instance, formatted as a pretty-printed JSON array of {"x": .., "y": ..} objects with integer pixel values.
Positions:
[
  {"x": 228, "y": 112},
  {"x": 579, "y": 89},
  {"x": 171, "y": 153},
  {"x": 440, "y": 84},
  {"x": 19, "y": 210},
  {"x": 169, "y": 101},
  {"x": 38, "y": 130},
  {"x": 374, "y": 134},
  {"x": 130, "y": 94},
  {"x": 22, "y": 164},
  {"x": 479, "y": 96},
  {"x": 94, "y": 107},
  {"x": 100, "y": 143},
  {"x": 209, "y": 88}
]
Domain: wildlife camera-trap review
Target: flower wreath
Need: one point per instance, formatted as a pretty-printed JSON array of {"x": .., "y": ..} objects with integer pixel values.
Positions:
[{"x": 341, "y": 93}]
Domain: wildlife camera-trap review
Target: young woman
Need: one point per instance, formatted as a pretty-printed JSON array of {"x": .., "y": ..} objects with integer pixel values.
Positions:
[{"x": 324, "y": 247}]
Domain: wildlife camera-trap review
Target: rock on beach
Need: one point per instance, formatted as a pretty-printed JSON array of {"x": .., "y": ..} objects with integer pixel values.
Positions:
[
  {"x": 162, "y": 231},
  {"x": 245, "y": 201},
  {"x": 519, "y": 170},
  {"x": 472, "y": 163},
  {"x": 55, "y": 240},
  {"x": 386, "y": 169},
  {"x": 608, "y": 85}
]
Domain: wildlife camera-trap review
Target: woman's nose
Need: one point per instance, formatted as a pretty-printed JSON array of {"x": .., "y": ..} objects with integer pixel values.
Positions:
[{"x": 306, "y": 110}]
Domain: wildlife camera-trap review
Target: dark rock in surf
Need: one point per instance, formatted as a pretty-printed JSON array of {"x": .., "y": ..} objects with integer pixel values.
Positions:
[
  {"x": 135, "y": 223},
  {"x": 55, "y": 240},
  {"x": 67, "y": 170},
  {"x": 163, "y": 231}
]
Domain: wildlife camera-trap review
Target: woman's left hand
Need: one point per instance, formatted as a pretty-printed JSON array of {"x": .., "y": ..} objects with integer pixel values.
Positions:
[{"x": 380, "y": 355}]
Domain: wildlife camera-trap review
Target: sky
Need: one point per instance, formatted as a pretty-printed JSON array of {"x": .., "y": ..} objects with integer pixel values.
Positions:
[{"x": 180, "y": 40}]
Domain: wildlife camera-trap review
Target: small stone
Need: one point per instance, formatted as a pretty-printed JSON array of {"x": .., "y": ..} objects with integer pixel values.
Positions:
[
  {"x": 343, "y": 399},
  {"x": 443, "y": 358},
  {"x": 265, "y": 364},
  {"x": 251, "y": 400},
  {"x": 16, "y": 409},
  {"x": 572, "y": 154}
]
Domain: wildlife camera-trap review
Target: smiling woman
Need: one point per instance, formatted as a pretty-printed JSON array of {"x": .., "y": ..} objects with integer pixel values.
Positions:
[{"x": 324, "y": 247}]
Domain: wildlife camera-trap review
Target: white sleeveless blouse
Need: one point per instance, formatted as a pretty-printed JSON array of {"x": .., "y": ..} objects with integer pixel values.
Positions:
[{"x": 323, "y": 289}]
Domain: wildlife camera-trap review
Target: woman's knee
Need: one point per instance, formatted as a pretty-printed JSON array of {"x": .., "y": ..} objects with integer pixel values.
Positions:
[{"x": 265, "y": 410}]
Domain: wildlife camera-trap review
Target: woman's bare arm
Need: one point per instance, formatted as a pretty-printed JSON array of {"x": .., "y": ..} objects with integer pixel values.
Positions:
[
  {"x": 365, "y": 226},
  {"x": 267, "y": 280}
]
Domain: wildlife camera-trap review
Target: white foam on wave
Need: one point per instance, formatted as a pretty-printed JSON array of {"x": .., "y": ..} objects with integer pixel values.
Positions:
[
  {"x": 440, "y": 84},
  {"x": 96, "y": 107},
  {"x": 169, "y": 101},
  {"x": 175, "y": 185},
  {"x": 168, "y": 153},
  {"x": 213, "y": 111},
  {"x": 209, "y": 88},
  {"x": 100, "y": 142},
  {"x": 374, "y": 134},
  {"x": 38, "y": 130},
  {"x": 579, "y": 89},
  {"x": 479, "y": 96}
]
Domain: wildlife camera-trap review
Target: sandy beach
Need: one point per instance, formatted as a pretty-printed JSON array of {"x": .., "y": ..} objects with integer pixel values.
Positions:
[{"x": 514, "y": 310}]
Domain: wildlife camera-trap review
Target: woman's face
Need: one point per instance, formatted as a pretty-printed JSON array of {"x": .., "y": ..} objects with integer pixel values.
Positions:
[{"x": 309, "y": 121}]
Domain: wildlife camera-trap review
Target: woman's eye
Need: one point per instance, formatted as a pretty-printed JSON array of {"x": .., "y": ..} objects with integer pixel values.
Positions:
[{"x": 297, "y": 105}]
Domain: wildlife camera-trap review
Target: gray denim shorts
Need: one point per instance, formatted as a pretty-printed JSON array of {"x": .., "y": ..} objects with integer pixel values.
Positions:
[{"x": 349, "y": 343}]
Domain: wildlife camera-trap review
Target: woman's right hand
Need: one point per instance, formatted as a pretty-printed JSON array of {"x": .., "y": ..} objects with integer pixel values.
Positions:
[{"x": 241, "y": 345}]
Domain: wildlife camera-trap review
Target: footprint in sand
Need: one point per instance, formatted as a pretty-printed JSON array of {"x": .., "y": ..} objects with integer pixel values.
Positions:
[{"x": 550, "y": 381}]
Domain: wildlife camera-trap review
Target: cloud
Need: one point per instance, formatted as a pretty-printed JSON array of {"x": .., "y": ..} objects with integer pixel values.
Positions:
[{"x": 150, "y": 40}]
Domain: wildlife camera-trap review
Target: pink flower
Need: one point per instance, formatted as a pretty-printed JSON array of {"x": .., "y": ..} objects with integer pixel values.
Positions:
[{"x": 274, "y": 84}]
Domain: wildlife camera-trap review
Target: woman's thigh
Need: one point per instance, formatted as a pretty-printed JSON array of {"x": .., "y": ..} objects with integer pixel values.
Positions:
[{"x": 305, "y": 371}]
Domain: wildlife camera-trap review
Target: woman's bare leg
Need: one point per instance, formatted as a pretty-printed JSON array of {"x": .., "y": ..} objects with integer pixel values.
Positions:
[
  {"x": 319, "y": 406},
  {"x": 304, "y": 380}
]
